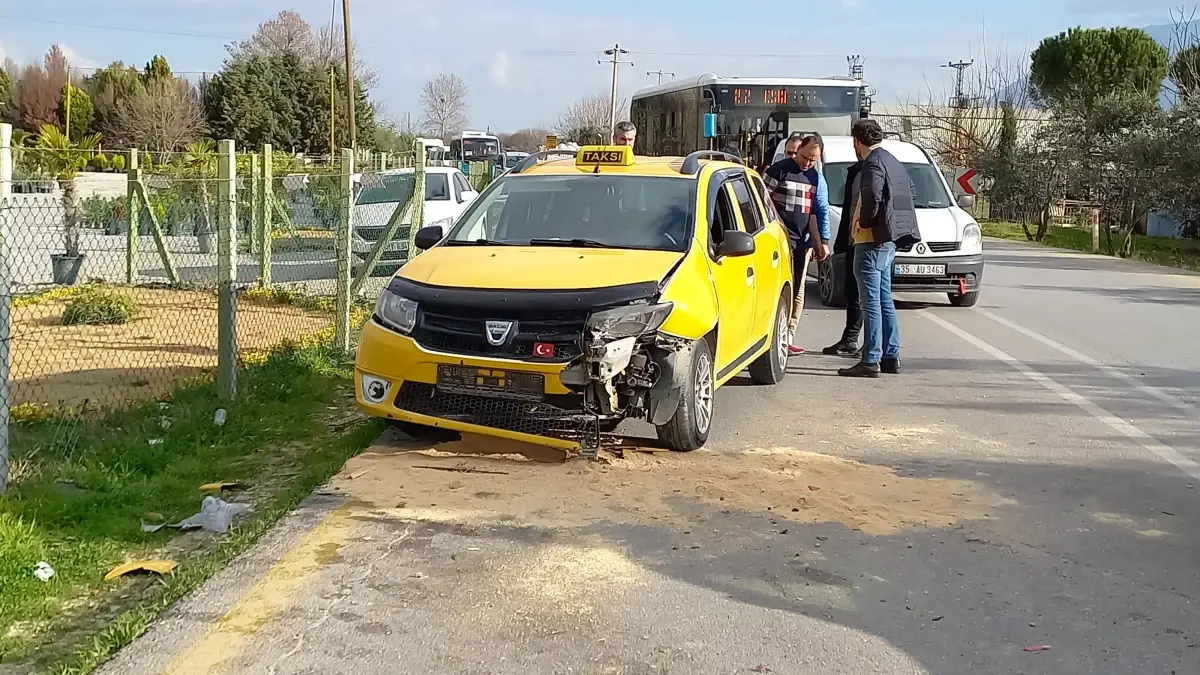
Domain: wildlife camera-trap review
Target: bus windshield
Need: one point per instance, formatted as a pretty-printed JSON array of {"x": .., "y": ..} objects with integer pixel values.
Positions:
[{"x": 480, "y": 148}]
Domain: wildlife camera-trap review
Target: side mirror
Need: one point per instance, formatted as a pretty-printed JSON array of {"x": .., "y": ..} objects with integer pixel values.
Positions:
[
  {"x": 736, "y": 244},
  {"x": 428, "y": 237},
  {"x": 966, "y": 201}
]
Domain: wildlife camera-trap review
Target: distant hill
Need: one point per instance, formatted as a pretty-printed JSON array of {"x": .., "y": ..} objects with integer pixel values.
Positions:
[{"x": 1164, "y": 34}]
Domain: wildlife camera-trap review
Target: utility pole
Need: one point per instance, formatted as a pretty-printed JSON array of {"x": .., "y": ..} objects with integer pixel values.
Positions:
[
  {"x": 350, "y": 93},
  {"x": 959, "y": 101},
  {"x": 854, "y": 64},
  {"x": 659, "y": 73},
  {"x": 614, "y": 53}
]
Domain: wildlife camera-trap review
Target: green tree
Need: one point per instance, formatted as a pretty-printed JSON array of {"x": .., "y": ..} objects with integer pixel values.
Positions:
[
  {"x": 64, "y": 159},
  {"x": 1085, "y": 64},
  {"x": 5, "y": 91},
  {"x": 1185, "y": 71},
  {"x": 278, "y": 99},
  {"x": 82, "y": 111},
  {"x": 157, "y": 70}
]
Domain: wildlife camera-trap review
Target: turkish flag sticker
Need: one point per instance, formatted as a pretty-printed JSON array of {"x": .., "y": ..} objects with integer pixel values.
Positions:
[{"x": 543, "y": 350}]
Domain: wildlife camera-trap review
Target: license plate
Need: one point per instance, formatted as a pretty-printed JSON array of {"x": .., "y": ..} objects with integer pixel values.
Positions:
[
  {"x": 396, "y": 245},
  {"x": 508, "y": 384},
  {"x": 920, "y": 270}
]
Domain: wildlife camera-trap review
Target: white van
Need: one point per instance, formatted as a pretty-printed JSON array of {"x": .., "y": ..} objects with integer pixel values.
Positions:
[
  {"x": 949, "y": 257},
  {"x": 447, "y": 195}
]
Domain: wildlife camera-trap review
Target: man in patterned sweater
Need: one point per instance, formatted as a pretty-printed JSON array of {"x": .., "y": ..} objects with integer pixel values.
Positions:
[{"x": 801, "y": 196}]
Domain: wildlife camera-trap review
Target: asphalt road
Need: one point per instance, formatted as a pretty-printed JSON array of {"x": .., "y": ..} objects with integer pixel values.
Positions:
[{"x": 1021, "y": 500}]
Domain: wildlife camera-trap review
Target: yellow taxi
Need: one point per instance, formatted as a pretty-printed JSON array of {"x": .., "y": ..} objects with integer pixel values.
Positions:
[{"x": 575, "y": 293}]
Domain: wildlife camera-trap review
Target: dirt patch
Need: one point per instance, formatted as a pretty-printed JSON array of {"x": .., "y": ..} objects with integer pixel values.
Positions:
[
  {"x": 173, "y": 339},
  {"x": 445, "y": 482}
]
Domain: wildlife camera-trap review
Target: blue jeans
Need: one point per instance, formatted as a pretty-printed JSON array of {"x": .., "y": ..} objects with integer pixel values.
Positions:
[{"x": 873, "y": 271}]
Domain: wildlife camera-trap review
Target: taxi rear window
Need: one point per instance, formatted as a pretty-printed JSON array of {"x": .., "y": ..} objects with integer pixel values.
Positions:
[{"x": 638, "y": 212}]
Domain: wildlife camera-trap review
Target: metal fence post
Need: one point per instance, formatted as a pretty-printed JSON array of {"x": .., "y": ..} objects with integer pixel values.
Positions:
[
  {"x": 341, "y": 244},
  {"x": 265, "y": 202},
  {"x": 6, "y": 171},
  {"x": 133, "y": 209},
  {"x": 255, "y": 195},
  {"x": 226, "y": 269}
]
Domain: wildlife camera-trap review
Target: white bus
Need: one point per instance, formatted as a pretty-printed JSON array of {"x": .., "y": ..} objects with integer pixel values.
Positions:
[
  {"x": 750, "y": 114},
  {"x": 475, "y": 146}
]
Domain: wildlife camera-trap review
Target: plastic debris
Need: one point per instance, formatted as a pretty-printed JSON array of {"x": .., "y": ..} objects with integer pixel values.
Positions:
[
  {"x": 1038, "y": 648},
  {"x": 217, "y": 487},
  {"x": 219, "y": 417},
  {"x": 216, "y": 515},
  {"x": 155, "y": 566},
  {"x": 155, "y": 441},
  {"x": 43, "y": 571}
]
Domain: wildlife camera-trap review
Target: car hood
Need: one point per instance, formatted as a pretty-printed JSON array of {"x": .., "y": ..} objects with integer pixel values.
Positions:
[
  {"x": 935, "y": 224},
  {"x": 536, "y": 267}
]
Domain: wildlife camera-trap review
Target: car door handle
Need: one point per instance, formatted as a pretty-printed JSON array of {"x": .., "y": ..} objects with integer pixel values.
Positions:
[
  {"x": 774, "y": 260},
  {"x": 749, "y": 272}
]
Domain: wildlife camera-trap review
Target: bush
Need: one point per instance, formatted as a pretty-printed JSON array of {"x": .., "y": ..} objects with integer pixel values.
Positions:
[
  {"x": 118, "y": 162},
  {"x": 99, "y": 162},
  {"x": 97, "y": 306}
]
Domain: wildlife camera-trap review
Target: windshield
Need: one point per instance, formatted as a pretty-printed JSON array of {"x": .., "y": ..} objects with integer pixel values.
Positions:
[
  {"x": 512, "y": 160},
  {"x": 396, "y": 188},
  {"x": 480, "y": 147},
  {"x": 927, "y": 183},
  {"x": 633, "y": 212}
]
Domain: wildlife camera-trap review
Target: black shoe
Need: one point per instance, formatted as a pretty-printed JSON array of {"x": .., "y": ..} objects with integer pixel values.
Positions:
[
  {"x": 890, "y": 366},
  {"x": 840, "y": 349},
  {"x": 860, "y": 369}
]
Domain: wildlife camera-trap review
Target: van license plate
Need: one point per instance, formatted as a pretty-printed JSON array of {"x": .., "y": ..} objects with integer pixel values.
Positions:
[
  {"x": 920, "y": 270},
  {"x": 508, "y": 384}
]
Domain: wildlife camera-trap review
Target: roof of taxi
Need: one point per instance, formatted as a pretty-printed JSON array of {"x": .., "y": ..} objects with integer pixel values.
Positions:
[{"x": 667, "y": 167}]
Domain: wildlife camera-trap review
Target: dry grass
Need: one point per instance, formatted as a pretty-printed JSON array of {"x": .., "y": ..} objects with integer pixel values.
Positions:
[{"x": 172, "y": 341}]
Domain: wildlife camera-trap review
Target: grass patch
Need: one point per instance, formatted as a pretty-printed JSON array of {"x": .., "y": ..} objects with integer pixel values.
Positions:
[
  {"x": 98, "y": 306},
  {"x": 1179, "y": 253},
  {"x": 84, "y": 488}
]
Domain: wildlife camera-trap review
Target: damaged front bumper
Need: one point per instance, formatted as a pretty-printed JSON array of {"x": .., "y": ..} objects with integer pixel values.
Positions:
[{"x": 628, "y": 369}]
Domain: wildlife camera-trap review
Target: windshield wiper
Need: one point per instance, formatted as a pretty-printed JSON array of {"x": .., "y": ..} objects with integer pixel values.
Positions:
[
  {"x": 577, "y": 242},
  {"x": 477, "y": 242}
]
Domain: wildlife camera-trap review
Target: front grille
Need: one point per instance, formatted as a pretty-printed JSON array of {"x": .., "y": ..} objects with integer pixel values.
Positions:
[
  {"x": 560, "y": 416},
  {"x": 372, "y": 233},
  {"x": 933, "y": 246},
  {"x": 461, "y": 331}
]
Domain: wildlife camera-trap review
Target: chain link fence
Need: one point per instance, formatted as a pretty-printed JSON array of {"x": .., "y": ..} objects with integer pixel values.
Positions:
[{"x": 118, "y": 288}]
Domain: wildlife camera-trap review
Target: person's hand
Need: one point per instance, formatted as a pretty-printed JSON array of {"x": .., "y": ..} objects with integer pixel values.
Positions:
[{"x": 821, "y": 251}]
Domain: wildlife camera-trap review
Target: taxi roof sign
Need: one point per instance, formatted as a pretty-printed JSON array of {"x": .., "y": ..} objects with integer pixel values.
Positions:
[{"x": 605, "y": 155}]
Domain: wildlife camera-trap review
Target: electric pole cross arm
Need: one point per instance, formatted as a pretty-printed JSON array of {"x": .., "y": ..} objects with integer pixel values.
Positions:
[{"x": 614, "y": 54}]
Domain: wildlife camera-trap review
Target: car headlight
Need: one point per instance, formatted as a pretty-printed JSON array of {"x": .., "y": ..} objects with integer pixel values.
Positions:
[
  {"x": 972, "y": 237},
  {"x": 399, "y": 313},
  {"x": 629, "y": 321}
]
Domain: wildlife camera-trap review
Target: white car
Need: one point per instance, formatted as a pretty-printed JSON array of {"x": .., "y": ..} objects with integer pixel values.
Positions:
[
  {"x": 447, "y": 195},
  {"x": 949, "y": 257}
]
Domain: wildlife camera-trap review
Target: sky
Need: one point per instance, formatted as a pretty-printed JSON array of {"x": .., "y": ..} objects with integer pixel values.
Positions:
[{"x": 524, "y": 61}]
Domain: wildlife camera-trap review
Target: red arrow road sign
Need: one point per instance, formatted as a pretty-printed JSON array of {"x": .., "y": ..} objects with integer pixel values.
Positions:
[{"x": 964, "y": 181}]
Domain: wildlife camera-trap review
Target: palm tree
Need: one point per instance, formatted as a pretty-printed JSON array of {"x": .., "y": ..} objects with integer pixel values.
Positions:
[
  {"x": 200, "y": 158},
  {"x": 64, "y": 159}
]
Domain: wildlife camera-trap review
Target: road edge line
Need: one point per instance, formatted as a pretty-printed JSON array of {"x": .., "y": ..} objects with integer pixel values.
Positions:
[{"x": 1121, "y": 426}]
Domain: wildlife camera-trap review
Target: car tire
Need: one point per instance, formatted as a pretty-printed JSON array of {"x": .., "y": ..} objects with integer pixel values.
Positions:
[
  {"x": 688, "y": 429},
  {"x": 964, "y": 299},
  {"x": 829, "y": 286},
  {"x": 771, "y": 367}
]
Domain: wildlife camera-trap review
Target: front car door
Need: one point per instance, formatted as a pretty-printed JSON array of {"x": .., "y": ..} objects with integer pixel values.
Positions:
[
  {"x": 733, "y": 279},
  {"x": 768, "y": 262}
]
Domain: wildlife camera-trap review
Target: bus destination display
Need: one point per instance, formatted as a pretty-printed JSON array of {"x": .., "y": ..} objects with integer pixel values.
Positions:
[{"x": 808, "y": 97}]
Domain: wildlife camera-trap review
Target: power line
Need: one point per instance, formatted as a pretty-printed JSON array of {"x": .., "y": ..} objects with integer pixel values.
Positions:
[{"x": 126, "y": 29}]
